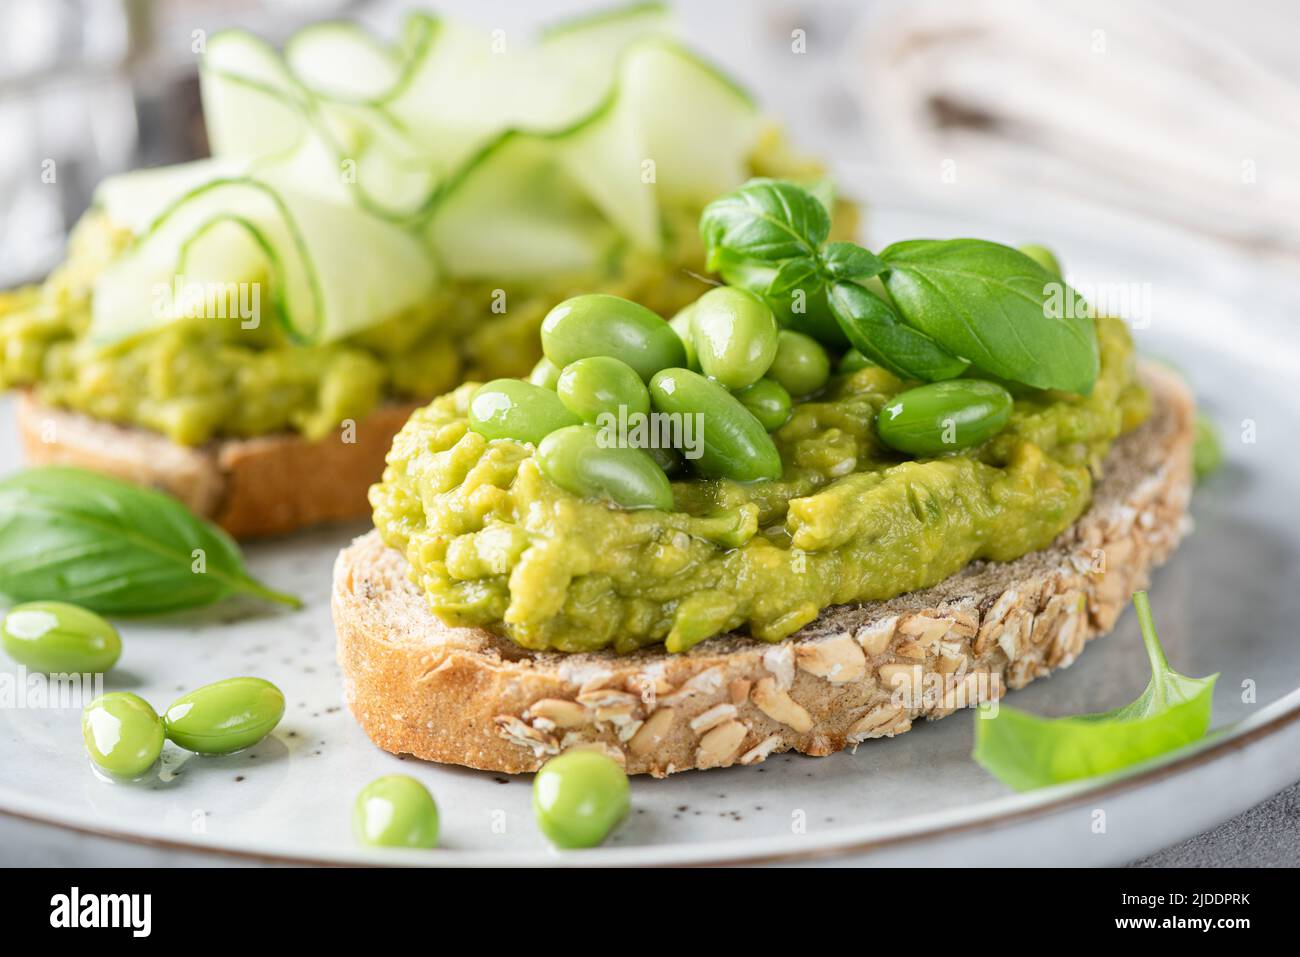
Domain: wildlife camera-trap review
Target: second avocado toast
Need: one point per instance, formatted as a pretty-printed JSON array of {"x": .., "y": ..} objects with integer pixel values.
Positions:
[{"x": 377, "y": 224}]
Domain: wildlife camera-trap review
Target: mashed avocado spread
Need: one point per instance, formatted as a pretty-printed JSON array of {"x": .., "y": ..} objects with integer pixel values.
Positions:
[
  {"x": 199, "y": 379},
  {"x": 495, "y": 544}
]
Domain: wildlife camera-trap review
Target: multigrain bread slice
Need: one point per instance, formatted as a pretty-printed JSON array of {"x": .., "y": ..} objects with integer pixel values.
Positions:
[
  {"x": 465, "y": 696},
  {"x": 250, "y": 487}
]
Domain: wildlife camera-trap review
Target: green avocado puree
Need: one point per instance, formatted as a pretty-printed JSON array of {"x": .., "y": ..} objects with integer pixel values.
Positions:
[{"x": 493, "y": 543}]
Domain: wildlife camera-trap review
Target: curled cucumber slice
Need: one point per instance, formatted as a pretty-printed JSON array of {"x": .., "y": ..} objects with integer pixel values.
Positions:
[{"x": 323, "y": 270}]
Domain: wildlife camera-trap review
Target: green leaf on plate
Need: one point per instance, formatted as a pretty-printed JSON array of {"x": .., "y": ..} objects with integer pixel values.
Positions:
[
  {"x": 1027, "y": 752},
  {"x": 113, "y": 547},
  {"x": 1207, "y": 452}
]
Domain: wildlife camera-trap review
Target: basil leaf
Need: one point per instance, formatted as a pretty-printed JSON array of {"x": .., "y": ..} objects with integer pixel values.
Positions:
[
  {"x": 112, "y": 547},
  {"x": 850, "y": 261},
  {"x": 875, "y": 331},
  {"x": 792, "y": 274},
  {"x": 990, "y": 303},
  {"x": 1027, "y": 752},
  {"x": 764, "y": 219}
]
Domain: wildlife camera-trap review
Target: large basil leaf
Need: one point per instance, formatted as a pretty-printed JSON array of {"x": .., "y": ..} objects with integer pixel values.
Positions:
[
  {"x": 765, "y": 219},
  {"x": 112, "y": 547},
  {"x": 875, "y": 331},
  {"x": 989, "y": 303},
  {"x": 1026, "y": 752}
]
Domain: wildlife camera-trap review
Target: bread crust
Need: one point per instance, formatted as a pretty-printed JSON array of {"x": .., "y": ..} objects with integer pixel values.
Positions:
[
  {"x": 465, "y": 696},
  {"x": 268, "y": 485}
]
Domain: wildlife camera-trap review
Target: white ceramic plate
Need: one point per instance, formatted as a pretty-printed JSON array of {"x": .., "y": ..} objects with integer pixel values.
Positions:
[{"x": 1227, "y": 602}]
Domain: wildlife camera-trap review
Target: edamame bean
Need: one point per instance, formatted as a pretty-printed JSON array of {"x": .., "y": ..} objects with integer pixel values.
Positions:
[
  {"x": 735, "y": 445},
  {"x": 801, "y": 365},
  {"x": 579, "y": 797},
  {"x": 601, "y": 325},
  {"x": 684, "y": 325},
  {"x": 545, "y": 374},
  {"x": 769, "y": 402},
  {"x": 944, "y": 416},
  {"x": 1044, "y": 257},
  {"x": 123, "y": 734},
  {"x": 225, "y": 716},
  {"x": 735, "y": 336},
  {"x": 670, "y": 460},
  {"x": 852, "y": 361},
  {"x": 58, "y": 638},
  {"x": 805, "y": 308},
  {"x": 573, "y": 459},
  {"x": 395, "y": 811},
  {"x": 602, "y": 384},
  {"x": 514, "y": 409}
]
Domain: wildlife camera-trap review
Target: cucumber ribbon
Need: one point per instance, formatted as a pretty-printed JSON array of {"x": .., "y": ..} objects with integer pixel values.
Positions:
[{"x": 351, "y": 176}]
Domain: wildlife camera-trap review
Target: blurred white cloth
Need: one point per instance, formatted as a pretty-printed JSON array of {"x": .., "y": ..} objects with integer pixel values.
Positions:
[{"x": 1187, "y": 111}]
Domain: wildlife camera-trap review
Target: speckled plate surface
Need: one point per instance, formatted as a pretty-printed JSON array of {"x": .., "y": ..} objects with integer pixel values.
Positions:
[{"x": 1227, "y": 602}]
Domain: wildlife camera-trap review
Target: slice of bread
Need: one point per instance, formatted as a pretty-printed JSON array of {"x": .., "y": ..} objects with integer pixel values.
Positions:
[
  {"x": 250, "y": 487},
  {"x": 465, "y": 696}
]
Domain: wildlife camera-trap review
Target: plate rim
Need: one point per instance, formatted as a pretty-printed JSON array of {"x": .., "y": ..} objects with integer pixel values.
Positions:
[
  {"x": 1270, "y": 721},
  {"x": 914, "y": 830}
]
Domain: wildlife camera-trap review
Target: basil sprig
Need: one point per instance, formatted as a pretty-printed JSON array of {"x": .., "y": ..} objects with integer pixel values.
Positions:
[
  {"x": 951, "y": 304},
  {"x": 765, "y": 219},
  {"x": 113, "y": 547},
  {"x": 1026, "y": 751}
]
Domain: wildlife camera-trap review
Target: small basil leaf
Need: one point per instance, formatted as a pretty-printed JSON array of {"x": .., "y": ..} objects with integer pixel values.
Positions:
[
  {"x": 764, "y": 219},
  {"x": 876, "y": 331},
  {"x": 113, "y": 547},
  {"x": 792, "y": 274},
  {"x": 850, "y": 261},
  {"x": 992, "y": 304},
  {"x": 1027, "y": 752}
]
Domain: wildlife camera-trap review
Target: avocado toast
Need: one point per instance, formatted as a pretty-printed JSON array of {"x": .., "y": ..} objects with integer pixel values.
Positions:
[
  {"x": 825, "y": 557},
  {"x": 378, "y": 223},
  {"x": 467, "y": 696}
]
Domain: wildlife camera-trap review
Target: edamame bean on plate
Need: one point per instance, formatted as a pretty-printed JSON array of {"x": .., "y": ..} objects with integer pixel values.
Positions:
[{"x": 55, "y": 637}]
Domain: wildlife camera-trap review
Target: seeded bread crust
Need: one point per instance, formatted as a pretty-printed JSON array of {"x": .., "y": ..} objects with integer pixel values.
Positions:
[
  {"x": 465, "y": 696},
  {"x": 250, "y": 487}
]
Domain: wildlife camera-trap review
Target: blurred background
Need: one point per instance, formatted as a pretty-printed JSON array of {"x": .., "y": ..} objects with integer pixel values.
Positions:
[{"x": 1187, "y": 113}]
